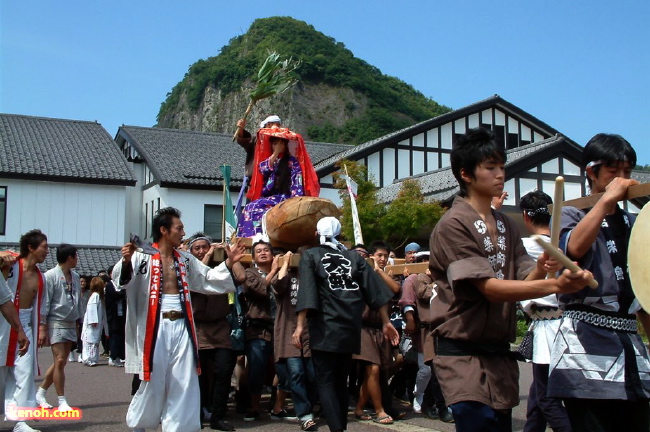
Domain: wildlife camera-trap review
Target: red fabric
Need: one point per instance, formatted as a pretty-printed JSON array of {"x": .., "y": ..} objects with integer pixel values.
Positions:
[
  {"x": 263, "y": 151},
  {"x": 13, "y": 334},
  {"x": 153, "y": 312}
]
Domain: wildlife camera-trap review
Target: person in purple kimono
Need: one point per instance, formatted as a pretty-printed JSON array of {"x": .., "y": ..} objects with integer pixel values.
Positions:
[{"x": 282, "y": 176}]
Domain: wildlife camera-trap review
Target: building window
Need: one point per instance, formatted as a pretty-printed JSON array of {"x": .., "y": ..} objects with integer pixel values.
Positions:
[
  {"x": 212, "y": 219},
  {"x": 3, "y": 210}
]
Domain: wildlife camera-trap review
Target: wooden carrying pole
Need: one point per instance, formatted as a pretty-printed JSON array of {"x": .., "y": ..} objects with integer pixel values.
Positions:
[
  {"x": 636, "y": 191},
  {"x": 561, "y": 258},
  {"x": 556, "y": 215}
]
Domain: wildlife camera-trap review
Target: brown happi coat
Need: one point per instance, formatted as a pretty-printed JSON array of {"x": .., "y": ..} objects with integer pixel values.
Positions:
[
  {"x": 259, "y": 318},
  {"x": 463, "y": 251},
  {"x": 286, "y": 296},
  {"x": 210, "y": 319}
]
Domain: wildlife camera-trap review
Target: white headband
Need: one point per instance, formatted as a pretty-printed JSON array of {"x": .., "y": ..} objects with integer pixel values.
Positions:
[
  {"x": 270, "y": 119},
  {"x": 600, "y": 162},
  {"x": 194, "y": 240}
]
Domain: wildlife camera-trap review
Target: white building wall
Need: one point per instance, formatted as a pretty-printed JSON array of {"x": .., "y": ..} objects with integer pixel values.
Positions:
[
  {"x": 388, "y": 174},
  {"x": 75, "y": 213},
  {"x": 191, "y": 203},
  {"x": 332, "y": 195},
  {"x": 374, "y": 172}
]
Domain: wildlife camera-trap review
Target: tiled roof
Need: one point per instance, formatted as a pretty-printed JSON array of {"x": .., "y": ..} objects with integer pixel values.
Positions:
[
  {"x": 641, "y": 176},
  {"x": 441, "y": 185},
  {"x": 60, "y": 150},
  {"x": 91, "y": 258},
  {"x": 370, "y": 146},
  {"x": 182, "y": 157}
]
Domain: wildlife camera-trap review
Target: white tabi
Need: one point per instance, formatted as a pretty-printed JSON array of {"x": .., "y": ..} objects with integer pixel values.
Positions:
[
  {"x": 163, "y": 351},
  {"x": 17, "y": 373}
]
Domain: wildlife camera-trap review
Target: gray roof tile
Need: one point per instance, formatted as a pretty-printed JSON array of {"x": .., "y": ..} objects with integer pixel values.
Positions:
[
  {"x": 64, "y": 150},
  {"x": 183, "y": 157},
  {"x": 91, "y": 258}
]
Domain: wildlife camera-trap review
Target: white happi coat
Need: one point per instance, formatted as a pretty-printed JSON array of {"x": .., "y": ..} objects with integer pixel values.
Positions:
[{"x": 199, "y": 277}]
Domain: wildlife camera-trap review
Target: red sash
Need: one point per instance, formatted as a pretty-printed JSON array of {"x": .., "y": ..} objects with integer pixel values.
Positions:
[
  {"x": 13, "y": 335},
  {"x": 153, "y": 311}
]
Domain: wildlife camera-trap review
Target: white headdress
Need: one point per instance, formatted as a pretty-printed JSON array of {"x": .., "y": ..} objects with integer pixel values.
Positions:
[
  {"x": 270, "y": 119},
  {"x": 328, "y": 228}
]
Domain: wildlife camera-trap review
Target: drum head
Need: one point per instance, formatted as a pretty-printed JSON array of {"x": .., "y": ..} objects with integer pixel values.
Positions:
[{"x": 638, "y": 262}]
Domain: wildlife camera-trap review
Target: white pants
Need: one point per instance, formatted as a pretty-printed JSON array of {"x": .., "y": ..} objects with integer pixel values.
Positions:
[
  {"x": 421, "y": 379},
  {"x": 172, "y": 395},
  {"x": 90, "y": 352},
  {"x": 18, "y": 381}
]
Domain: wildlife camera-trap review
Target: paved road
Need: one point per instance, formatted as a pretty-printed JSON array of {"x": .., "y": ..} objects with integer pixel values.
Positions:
[{"x": 103, "y": 394}]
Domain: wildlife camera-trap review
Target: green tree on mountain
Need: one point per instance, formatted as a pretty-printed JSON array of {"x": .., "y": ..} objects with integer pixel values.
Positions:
[{"x": 392, "y": 104}]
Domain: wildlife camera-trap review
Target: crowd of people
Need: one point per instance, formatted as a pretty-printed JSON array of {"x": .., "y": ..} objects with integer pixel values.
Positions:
[{"x": 341, "y": 333}]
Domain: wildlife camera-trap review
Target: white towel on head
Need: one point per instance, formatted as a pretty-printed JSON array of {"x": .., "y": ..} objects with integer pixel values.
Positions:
[
  {"x": 328, "y": 228},
  {"x": 270, "y": 119}
]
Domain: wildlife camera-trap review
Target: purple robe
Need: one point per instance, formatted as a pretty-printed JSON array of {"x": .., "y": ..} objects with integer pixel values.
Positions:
[{"x": 250, "y": 222}]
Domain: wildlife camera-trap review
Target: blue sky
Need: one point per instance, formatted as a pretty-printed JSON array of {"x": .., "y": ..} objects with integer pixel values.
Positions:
[{"x": 581, "y": 66}]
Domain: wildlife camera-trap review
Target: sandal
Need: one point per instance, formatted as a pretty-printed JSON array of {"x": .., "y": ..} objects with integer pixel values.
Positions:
[
  {"x": 363, "y": 417},
  {"x": 384, "y": 420},
  {"x": 308, "y": 425}
]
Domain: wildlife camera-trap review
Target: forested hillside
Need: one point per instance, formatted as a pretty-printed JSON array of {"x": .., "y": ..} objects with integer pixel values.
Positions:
[{"x": 340, "y": 98}]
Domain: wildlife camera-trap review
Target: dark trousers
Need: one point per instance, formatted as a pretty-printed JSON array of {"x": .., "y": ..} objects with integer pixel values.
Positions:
[
  {"x": 224, "y": 364},
  {"x": 543, "y": 409},
  {"x": 331, "y": 371},
  {"x": 602, "y": 415},
  {"x": 474, "y": 416},
  {"x": 116, "y": 340},
  {"x": 433, "y": 396}
]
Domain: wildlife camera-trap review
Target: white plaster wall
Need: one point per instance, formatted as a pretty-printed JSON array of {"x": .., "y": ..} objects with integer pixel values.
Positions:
[
  {"x": 373, "y": 168},
  {"x": 332, "y": 195},
  {"x": 388, "y": 174},
  {"x": 74, "y": 213}
]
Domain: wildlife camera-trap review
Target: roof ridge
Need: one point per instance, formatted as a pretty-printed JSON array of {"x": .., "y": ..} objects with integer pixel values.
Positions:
[
  {"x": 51, "y": 118},
  {"x": 176, "y": 130}
]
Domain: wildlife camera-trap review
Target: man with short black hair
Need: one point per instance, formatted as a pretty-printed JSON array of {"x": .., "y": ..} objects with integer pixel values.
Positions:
[
  {"x": 260, "y": 316},
  {"x": 599, "y": 363},
  {"x": 60, "y": 312},
  {"x": 25, "y": 285},
  {"x": 161, "y": 344},
  {"x": 480, "y": 268}
]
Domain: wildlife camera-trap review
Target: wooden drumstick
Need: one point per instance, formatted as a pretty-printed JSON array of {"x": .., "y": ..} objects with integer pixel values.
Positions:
[
  {"x": 556, "y": 216},
  {"x": 554, "y": 252}
]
